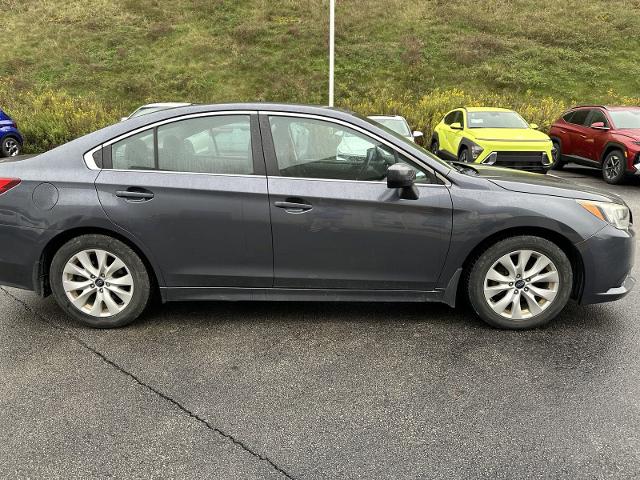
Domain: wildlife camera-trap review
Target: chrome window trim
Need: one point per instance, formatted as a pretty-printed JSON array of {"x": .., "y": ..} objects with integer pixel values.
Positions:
[
  {"x": 380, "y": 182},
  {"x": 91, "y": 164},
  {"x": 172, "y": 172},
  {"x": 88, "y": 158},
  {"x": 363, "y": 131}
]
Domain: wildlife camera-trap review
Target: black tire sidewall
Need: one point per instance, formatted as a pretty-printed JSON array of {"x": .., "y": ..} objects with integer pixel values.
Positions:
[
  {"x": 141, "y": 291},
  {"x": 435, "y": 147},
  {"x": 466, "y": 152},
  {"x": 3, "y": 146},
  {"x": 485, "y": 260},
  {"x": 620, "y": 177},
  {"x": 558, "y": 163}
]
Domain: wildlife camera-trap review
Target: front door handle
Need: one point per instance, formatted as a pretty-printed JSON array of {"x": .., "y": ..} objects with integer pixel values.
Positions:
[
  {"x": 297, "y": 206},
  {"x": 135, "y": 194}
]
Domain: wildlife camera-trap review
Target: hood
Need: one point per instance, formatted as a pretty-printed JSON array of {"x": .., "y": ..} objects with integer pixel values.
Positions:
[
  {"x": 536, "y": 183},
  {"x": 633, "y": 133},
  {"x": 509, "y": 134}
]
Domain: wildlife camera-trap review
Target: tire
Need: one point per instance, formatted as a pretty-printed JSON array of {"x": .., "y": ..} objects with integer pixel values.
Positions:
[
  {"x": 558, "y": 163},
  {"x": 491, "y": 262},
  {"x": 463, "y": 155},
  {"x": 435, "y": 146},
  {"x": 121, "y": 303},
  {"x": 10, "y": 147},
  {"x": 614, "y": 168}
]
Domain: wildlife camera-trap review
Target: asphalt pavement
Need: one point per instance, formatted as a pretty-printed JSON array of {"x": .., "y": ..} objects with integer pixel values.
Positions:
[{"x": 321, "y": 390}]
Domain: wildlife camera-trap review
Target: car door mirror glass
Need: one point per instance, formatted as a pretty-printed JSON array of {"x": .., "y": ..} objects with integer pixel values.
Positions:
[{"x": 456, "y": 126}]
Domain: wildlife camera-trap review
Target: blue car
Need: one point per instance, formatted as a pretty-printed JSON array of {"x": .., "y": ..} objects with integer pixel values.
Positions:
[{"x": 10, "y": 138}]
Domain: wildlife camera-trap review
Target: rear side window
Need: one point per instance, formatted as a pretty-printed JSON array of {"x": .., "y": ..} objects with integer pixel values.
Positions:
[
  {"x": 218, "y": 144},
  {"x": 134, "y": 153},
  {"x": 579, "y": 117}
]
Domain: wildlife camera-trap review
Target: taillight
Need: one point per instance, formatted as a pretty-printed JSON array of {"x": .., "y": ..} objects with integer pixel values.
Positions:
[{"x": 7, "y": 184}]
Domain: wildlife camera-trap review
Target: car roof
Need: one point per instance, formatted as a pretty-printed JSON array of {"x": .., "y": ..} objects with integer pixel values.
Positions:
[
  {"x": 391, "y": 117},
  {"x": 164, "y": 104},
  {"x": 608, "y": 107},
  {"x": 486, "y": 109}
]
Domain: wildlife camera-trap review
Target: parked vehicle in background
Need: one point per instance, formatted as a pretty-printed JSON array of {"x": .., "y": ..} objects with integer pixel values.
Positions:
[
  {"x": 154, "y": 107},
  {"x": 492, "y": 136},
  {"x": 256, "y": 202},
  {"x": 11, "y": 139},
  {"x": 398, "y": 124},
  {"x": 603, "y": 137}
]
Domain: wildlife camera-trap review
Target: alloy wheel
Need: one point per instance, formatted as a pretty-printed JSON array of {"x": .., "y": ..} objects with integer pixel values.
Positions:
[
  {"x": 98, "y": 283},
  {"x": 12, "y": 147},
  {"x": 613, "y": 166},
  {"x": 521, "y": 284}
]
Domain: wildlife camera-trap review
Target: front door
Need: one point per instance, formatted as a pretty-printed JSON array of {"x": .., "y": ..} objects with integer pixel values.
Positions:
[
  {"x": 194, "y": 193},
  {"x": 336, "y": 224}
]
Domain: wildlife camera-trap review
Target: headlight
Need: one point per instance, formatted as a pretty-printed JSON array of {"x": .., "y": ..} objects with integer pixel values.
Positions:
[
  {"x": 476, "y": 150},
  {"x": 614, "y": 213}
]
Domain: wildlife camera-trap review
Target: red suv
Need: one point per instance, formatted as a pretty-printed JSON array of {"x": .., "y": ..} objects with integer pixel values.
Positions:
[{"x": 597, "y": 136}]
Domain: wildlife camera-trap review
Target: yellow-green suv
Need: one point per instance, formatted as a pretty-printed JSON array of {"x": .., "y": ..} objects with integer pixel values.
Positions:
[{"x": 492, "y": 136}]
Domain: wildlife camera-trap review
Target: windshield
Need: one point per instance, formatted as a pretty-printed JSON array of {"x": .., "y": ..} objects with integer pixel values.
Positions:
[
  {"x": 496, "y": 120},
  {"x": 398, "y": 125},
  {"x": 625, "y": 118}
]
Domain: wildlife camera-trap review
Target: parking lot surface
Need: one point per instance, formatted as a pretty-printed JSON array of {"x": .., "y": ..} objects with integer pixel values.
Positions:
[{"x": 321, "y": 390}]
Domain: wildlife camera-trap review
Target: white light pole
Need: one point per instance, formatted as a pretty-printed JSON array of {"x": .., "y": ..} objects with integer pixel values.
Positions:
[{"x": 332, "y": 47}]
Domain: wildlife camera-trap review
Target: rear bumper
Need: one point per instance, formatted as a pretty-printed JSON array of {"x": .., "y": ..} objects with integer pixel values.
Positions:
[
  {"x": 20, "y": 251},
  {"x": 608, "y": 260}
]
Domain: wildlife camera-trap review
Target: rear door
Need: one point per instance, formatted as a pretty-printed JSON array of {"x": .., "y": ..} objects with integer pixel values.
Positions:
[
  {"x": 596, "y": 138},
  {"x": 578, "y": 133},
  {"x": 335, "y": 223},
  {"x": 193, "y": 191}
]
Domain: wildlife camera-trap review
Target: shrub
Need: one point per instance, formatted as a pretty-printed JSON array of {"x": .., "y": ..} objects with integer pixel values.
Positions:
[{"x": 50, "y": 118}]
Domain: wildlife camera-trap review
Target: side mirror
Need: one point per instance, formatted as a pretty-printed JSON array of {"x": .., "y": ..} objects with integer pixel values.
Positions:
[
  {"x": 534, "y": 126},
  {"x": 403, "y": 177},
  {"x": 417, "y": 134},
  {"x": 599, "y": 126},
  {"x": 124, "y": 118},
  {"x": 456, "y": 126}
]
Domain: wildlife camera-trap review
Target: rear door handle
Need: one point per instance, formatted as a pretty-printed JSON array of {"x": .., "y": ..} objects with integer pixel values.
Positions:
[
  {"x": 294, "y": 207},
  {"x": 135, "y": 195}
]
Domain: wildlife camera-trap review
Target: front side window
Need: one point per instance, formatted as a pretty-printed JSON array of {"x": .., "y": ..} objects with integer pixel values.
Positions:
[
  {"x": 309, "y": 148},
  {"x": 219, "y": 144},
  {"x": 458, "y": 117},
  {"x": 598, "y": 116},
  {"x": 449, "y": 119},
  {"x": 496, "y": 120}
]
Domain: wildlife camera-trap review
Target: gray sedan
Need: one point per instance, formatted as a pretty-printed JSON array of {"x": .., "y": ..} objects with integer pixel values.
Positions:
[{"x": 284, "y": 202}]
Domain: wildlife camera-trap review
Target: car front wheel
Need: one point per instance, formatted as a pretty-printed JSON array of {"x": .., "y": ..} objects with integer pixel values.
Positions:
[
  {"x": 463, "y": 156},
  {"x": 520, "y": 282},
  {"x": 99, "y": 281},
  {"x": 10, "y": 147},
  {"x": 613, "y": 167},
  {"x": 558, "y": 163}
]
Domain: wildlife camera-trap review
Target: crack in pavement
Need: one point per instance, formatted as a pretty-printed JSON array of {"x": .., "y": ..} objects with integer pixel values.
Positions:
[{"x": 66, "y": 332}]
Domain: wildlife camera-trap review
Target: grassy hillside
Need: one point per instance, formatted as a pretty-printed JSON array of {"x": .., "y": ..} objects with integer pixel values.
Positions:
[{"x": 117, "y": 54}]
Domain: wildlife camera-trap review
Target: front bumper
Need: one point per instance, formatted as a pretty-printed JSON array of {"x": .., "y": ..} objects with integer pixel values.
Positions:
[
  {"x": 608, "y": 259},
  {"x": 521, "y": 157}
]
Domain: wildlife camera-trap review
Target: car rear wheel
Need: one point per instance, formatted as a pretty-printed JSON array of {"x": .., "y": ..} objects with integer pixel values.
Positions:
[
  {"x": 10, "y": 147},
  {"x": 613, "y": 167},
  {"x": 558, "y": 163},
  {"x": 99, "y": 281},
  {"x": 520, "y": 282}
]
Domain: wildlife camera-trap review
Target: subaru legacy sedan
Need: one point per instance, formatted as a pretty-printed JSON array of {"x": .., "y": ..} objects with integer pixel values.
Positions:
[{"x": 278, "y": 202}]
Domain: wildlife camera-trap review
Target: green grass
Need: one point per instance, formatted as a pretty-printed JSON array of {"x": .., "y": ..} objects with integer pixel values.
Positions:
[{"x": 122, "y": 53}]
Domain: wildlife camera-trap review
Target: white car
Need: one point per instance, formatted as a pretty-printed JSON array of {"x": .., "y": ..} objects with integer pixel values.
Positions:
[
  {"x": 398, "y": 124},
  {"x": 155, "y": 107}
]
